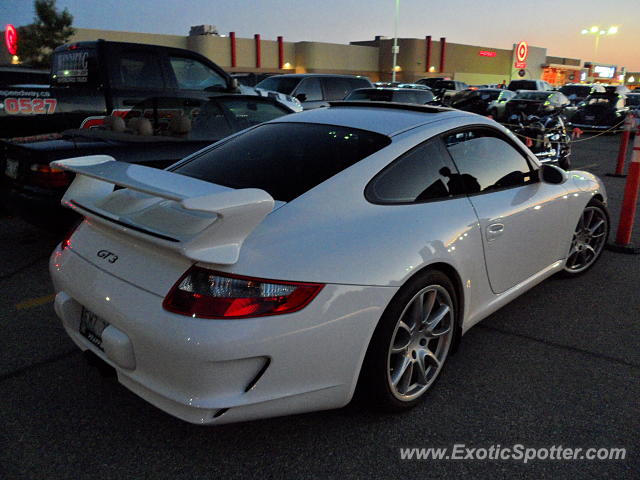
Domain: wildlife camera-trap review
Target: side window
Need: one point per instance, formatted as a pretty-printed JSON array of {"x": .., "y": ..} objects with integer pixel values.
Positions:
[
  {"x": 423, "y": 97},
  {"x": 139, "y": 69},
  {"x": 191, "y": 74},
  {"x": 336, "y": 88},
  {"x": 405, "y": 97},
  {"x": 422, "y": 174},
  {"x": 310, "y": 87},
  {"x": 486, "y": 162},
  {"x": 359, "y": 83},
  {"x": 247, "y": 113}
]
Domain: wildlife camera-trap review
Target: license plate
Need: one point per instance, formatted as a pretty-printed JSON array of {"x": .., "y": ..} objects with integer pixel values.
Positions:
[
  {"x": 589, "y": 117},
  {"x": 11, "y": 170},
  {"x": 92, "y": 326}
]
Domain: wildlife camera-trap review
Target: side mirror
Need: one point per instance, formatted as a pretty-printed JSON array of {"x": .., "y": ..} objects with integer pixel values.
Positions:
[
  {"x": 301, "y": 96},
  {"x": 552, "y": 174}
]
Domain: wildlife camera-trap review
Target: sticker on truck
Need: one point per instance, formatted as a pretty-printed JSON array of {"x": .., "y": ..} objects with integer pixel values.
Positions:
[{"x": 30, "y": 106}]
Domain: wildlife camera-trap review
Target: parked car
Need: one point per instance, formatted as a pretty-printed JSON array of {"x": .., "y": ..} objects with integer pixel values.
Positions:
[
  {"x": 515, "y": 85},
  {"x": 619, "y": 89},
  {"x": 444, "y": 90},
  {"x": 417, "y": 86},
  {"x": 578, "y": 92},
  {"x": 343, "y": 247},
  {"x": 315, "y": 90},
  {"x": 601, "y": 111},
  {"x": 536, "y": 102},
  {"x": 90, "y": 80},
  {"x": 483, "y": 101},
  {"x": 398, "y": 95},
  {"x": 251, "y": 79},
  {"x": 431, "y": 81},
  {"x": 156, "y": 132},
  {"x": 633, "y": 103}
]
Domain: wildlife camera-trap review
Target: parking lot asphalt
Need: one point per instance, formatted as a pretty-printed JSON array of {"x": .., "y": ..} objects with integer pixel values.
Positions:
[{"x": 558, "y": 366}]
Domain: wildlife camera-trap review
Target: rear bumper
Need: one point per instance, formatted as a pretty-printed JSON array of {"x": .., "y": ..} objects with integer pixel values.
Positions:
[{"x": 222, "y": 371}]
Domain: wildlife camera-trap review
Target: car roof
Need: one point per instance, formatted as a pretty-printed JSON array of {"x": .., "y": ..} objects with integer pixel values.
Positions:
[
  {"x": 304, "y": 75},
  {"x": 390, "y": 89},
  {"x": 380, "y": 117}
]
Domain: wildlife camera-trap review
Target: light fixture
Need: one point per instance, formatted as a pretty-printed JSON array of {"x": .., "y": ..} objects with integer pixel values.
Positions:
[
  {"x": 594, "y": 29},
  {"x": 584, "y": 31},
  {"x": 612, "y": 30}
]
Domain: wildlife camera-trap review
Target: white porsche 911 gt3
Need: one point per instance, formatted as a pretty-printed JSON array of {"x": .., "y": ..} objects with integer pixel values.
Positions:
[{"x": 274, "y": 271}]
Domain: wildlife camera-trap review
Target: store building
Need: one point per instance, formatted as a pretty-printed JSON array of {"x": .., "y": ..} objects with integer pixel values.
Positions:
[{"x": 417, "y": 57}]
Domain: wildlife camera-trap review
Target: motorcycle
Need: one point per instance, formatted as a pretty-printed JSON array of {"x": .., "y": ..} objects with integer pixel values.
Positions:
[{"x": 546, "y": 136}]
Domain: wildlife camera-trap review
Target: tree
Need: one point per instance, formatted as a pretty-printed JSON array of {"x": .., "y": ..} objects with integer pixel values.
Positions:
[{"x": 49, "y": 30}]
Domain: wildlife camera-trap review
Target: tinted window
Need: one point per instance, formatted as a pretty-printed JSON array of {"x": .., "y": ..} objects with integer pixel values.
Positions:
[
  {"x": 77, "y": 66},
  {"x": 576, "y": 90},
  {"x": 532, "y": 95},
  {"x": 523, "y": 85},
  {"x": 222, "y": 116},
  {"x": 246, "y": 113},
  {"x": 359, "y": 83},
  {"x": 311, "y": 88},
  {"x": 194, "y": 75},
  {"x": 285, "y": 159},
  {"x": 633, "y": 100},
  {"x": 486, "y": 162},
  {"x": 284, "y": 85},
  {"x": 423, "y": 97},
  {"x": 139, "y": 70},
  {"x": 371, "y": 95},
  {"x": 422, "y": 174},
  {"x": 336, "y": 88}
]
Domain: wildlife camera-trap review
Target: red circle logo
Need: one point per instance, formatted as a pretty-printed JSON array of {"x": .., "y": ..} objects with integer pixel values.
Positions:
[
  {"x": 522, "y": 50},
  {"x": 11, "y": 39}
]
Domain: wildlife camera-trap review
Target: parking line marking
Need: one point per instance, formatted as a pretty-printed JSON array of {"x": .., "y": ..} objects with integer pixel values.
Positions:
[{"x": 35, "y": 302}]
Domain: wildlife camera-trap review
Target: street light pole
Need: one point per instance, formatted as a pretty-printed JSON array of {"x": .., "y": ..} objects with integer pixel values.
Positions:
[
  {"x": 395, "y": 48},
  {"x": 598, "y": 33}
]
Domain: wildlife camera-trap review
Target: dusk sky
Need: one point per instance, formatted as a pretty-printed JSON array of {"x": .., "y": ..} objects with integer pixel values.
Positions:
[{"x": 554, "y": 24}]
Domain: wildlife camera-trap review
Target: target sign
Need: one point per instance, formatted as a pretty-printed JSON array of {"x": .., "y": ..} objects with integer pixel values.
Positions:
[
  {"x": 522, "y": 51},
  {"x": 11, "y": 39}
]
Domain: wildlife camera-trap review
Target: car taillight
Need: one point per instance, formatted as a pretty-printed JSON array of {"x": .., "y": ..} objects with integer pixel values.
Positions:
[
  {"x": 209, "y": 294},
  {"x": 46, "y": 176}
]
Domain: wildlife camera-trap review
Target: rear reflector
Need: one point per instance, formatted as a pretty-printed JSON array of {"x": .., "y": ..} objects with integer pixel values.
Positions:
[{"x": 206, "y": 293}]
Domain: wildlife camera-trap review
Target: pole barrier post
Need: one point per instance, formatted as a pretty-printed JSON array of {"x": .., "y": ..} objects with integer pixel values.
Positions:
[
  {"x": 624, "y": 144},
  {"x": 629, "y": 202}
]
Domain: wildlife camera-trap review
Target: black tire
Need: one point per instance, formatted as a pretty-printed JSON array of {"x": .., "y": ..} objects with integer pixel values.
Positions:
[
  {"x": 586, "y": 249},
  {"x": 376, "y": 378}
]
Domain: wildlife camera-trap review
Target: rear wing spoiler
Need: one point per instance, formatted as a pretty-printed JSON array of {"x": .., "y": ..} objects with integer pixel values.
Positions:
[{"x": 203, "y": 221}]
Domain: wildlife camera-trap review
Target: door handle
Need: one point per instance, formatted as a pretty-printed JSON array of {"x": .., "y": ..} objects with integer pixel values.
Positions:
[{"x": 494, "y": 230}]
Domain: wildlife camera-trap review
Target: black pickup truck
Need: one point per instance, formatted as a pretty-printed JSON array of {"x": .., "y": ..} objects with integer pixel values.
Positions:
[{"x": 89, "y": 80}]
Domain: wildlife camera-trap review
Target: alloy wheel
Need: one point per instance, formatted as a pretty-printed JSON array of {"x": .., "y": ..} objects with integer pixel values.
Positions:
[
  {"x": 420, "y": 343},
  {"x": 588, "y": 240}
]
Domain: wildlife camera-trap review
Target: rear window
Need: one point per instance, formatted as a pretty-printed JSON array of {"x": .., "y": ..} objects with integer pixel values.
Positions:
[
  {"x": 633, "y": 100},
  {"x": 523, "y": 85},
  {"x": 532, "y": 95},
  {"x": 73, "y": 67},
  {"x": 372, "y": 95},
  {"x": 284, "y": 159},
  {"x": 577, "y": 90},
  {"x": 284, "y": 85}
]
